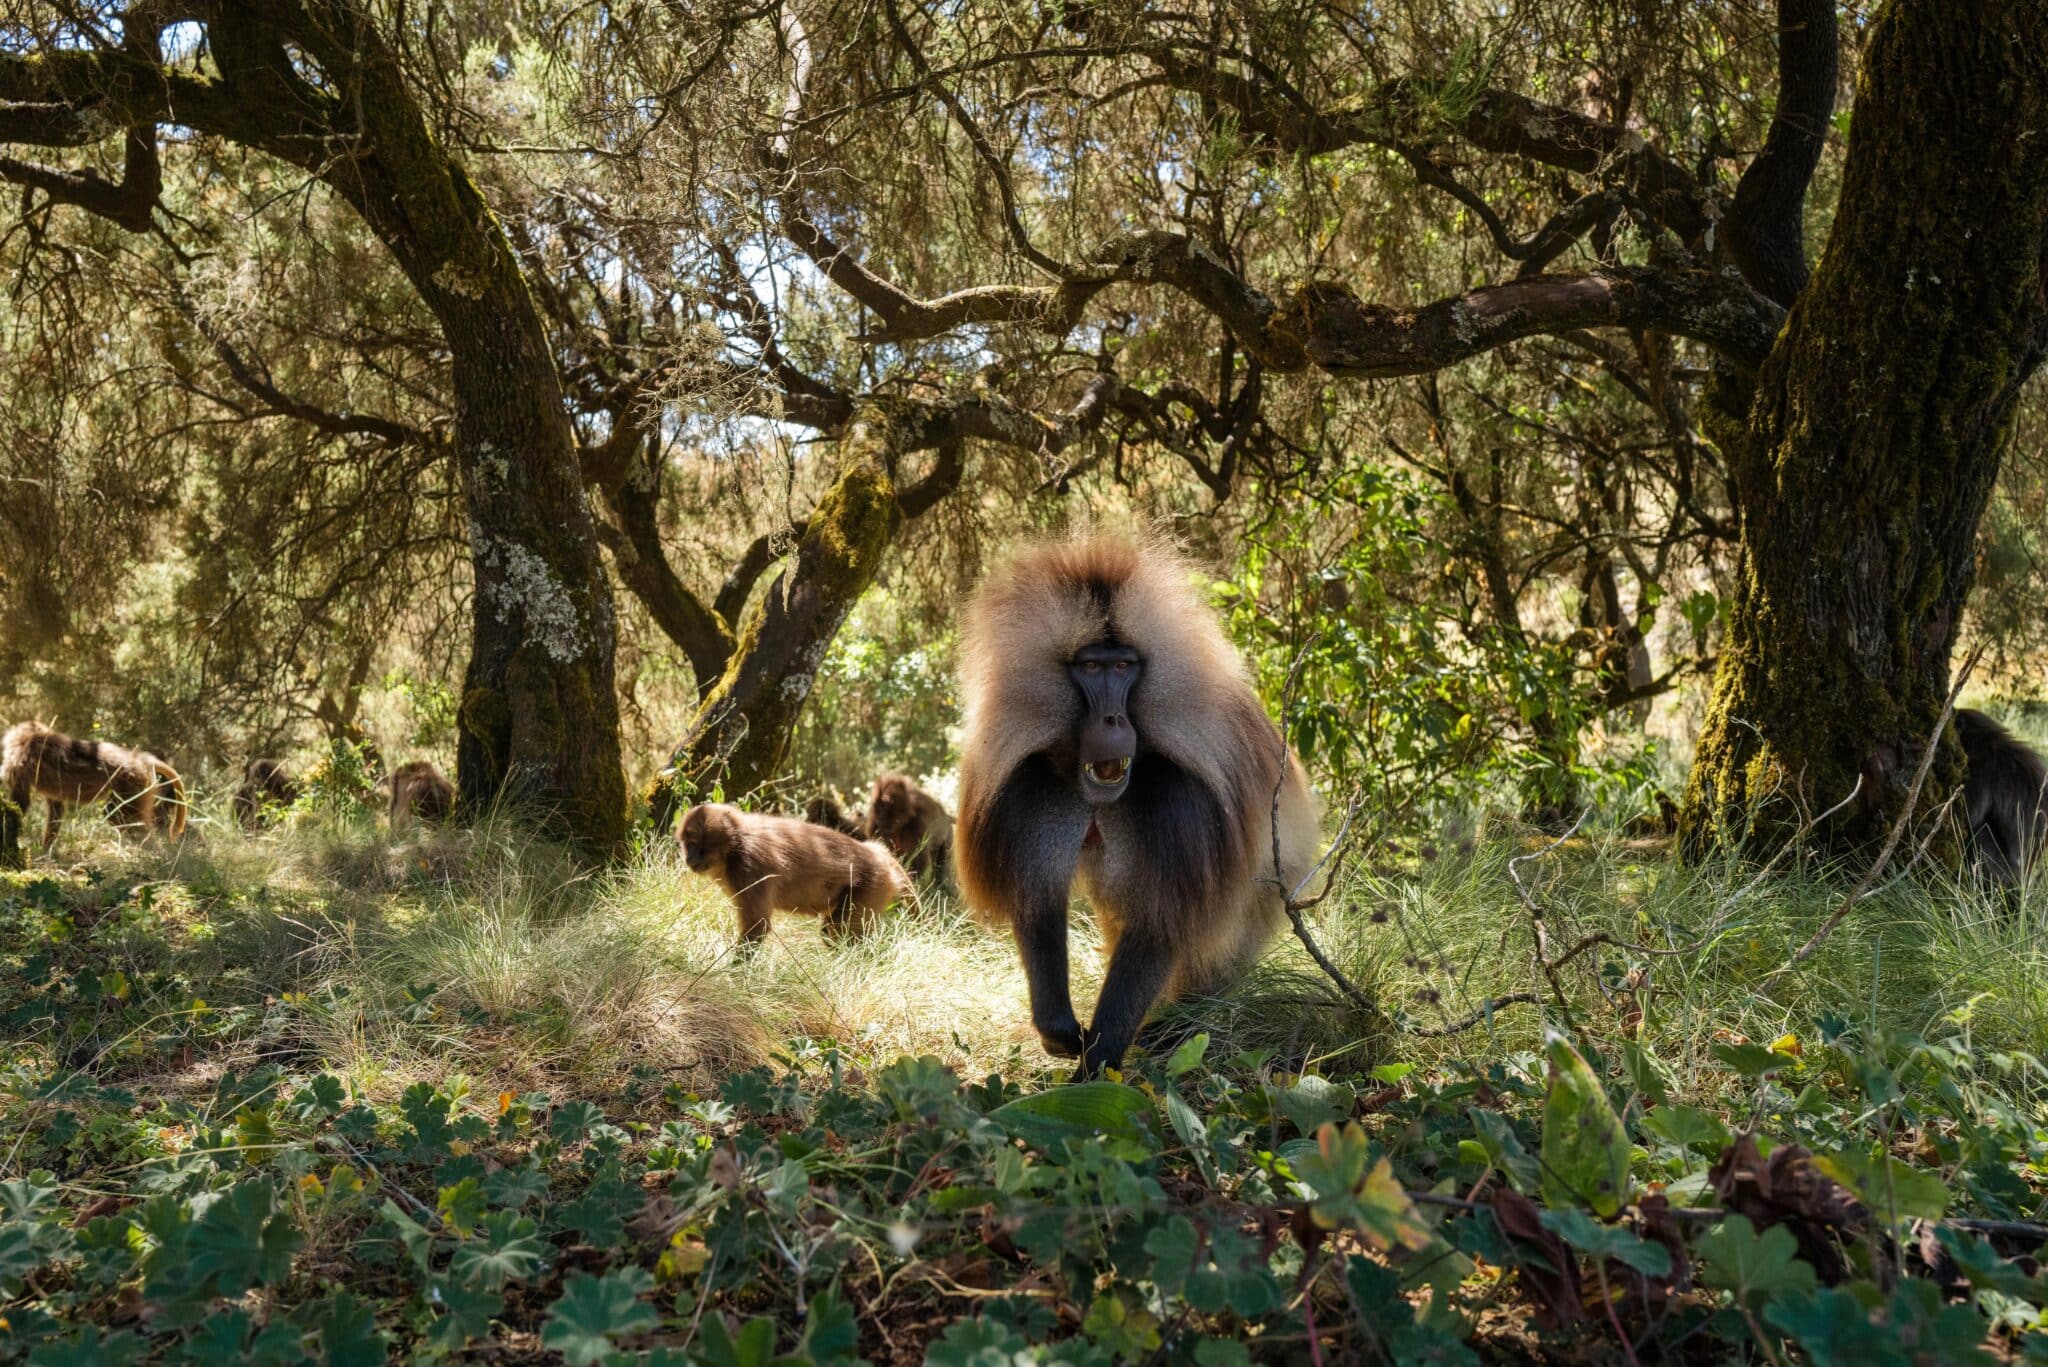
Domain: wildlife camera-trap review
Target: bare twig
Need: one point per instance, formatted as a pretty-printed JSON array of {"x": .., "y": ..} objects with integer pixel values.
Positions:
[
  {"x": 1905, "y": 816},
  {"x": 1485, "y": 1012}
]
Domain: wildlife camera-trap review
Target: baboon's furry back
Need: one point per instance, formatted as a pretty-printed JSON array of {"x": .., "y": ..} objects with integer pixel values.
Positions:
[{"x": 38, "y": 762}]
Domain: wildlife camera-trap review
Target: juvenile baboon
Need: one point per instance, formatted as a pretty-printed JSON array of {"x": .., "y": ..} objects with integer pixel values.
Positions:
[
  {"x": 140, "y": 790},
  {"x": 420, "y": 791},
  {"x": 1112, "y": 735},
  {"x": 825, "y": 811},
  {"x": 2003, "y": 797},
  {"x": 266, "y": 787},
  {"x": 912, "y": 823},
  {"x": 773, "y": 863}
]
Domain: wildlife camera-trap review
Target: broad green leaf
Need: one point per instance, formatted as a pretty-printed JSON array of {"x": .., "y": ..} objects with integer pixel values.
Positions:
[
  {"x": 462, "y": 1205},
  {"x": 418, "y": 1240},
  {"x": 347, "y": 1330},
  {"x": 1689, "y": 1128},
  {"x": 1313, "y": 1102},
  {"x": 243, "y": 1240},
  {"x": 1124, "y": 1327},
  {"x": 1645, "y": 1074},
  {"x": 831, "y": 1333},
  {"x": 1835, "y": 1330},
  {"x": 1890, "y": 1188},
  {"x": 89, "y": 1349},
  {"x": 1986, "y": 1271},
  {"x": 1503, "y": 1149},
  {"x": 1596, "y": 1240},
  {"x": 1188, "y": 1056},
  {"x": 509, "y": 1250},
  {"x": 591, "y": 1310},
  {"x": 1734, "y": 1257},
  {"x": 1348, "y": 1191},
  {"x": 1585, "y": 1151},
  {"x": 1077, "y": 1111},
  {"x": 1751, "y": 1060},
  {"x": 753, "y": 1346},
  {"x": 976, "y": 1342}
]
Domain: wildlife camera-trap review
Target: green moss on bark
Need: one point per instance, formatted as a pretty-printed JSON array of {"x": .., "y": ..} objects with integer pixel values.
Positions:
[
  {"x": 743, "y": 725},
  {"x": 1873, "y": 436}
]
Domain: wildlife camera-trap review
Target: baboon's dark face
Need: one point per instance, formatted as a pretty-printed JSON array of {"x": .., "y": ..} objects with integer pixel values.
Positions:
[
  {"x": 1106, "y": 742},
  {"x": 889, "y": 816},
  {"x": 698, "y": 838}
]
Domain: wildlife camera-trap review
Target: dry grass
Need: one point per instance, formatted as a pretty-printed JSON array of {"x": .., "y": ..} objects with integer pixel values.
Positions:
[{"x": 490, "y": 953}]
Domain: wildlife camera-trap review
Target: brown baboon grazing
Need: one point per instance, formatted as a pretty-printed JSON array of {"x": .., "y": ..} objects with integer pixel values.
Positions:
[
  {"x": 141, "y": 791},
  {"x": 912, "y": 823},
  {"x": 774, "y": 863},
  {"x": 1112, "y": 735},
  {"x": 266, "y": 786},
  {"x": 826, "y": 811},
  {"x": 2005, "y": 797},
  {"x": 421, "y": 792}
]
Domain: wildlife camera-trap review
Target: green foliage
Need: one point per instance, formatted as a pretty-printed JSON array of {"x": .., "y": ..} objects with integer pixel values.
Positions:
[
  {"x": 1202, "y": 1201},
  {"x": 342, "y": 780}
]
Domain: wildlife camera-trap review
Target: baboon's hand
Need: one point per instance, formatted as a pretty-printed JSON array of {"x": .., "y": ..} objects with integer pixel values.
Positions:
[
  {"x": 1061, "y": 1037},
  {"x": 1094, "y": 1058}
]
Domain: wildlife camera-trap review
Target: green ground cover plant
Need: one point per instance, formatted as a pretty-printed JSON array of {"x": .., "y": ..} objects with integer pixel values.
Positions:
[{"x": 311, "y": 1096}]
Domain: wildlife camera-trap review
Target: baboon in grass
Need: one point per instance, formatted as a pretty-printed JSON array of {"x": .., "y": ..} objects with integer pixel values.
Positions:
[
  {"x": 2005, "y": 797},
  {"x": 913, "y": 824},
  {"x": 1113, "y": 736},
  {"x": 267, "y": 787},
  {"x": 775, "y": 863},
  {"x": 421, "y": 792},
  {"x": 825, "y": 811},
  {"x": 141, "y": 792}
]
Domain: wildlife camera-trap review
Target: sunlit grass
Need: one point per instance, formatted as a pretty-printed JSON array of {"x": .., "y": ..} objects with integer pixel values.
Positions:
[{"x": 491, "y": 953}]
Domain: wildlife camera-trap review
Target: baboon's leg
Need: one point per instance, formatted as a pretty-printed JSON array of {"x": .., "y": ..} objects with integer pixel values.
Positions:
[
  {"x": 754, "y": 907},
  {"x": 50, "y": 829},
  {"x": 1138, "y": 970}
]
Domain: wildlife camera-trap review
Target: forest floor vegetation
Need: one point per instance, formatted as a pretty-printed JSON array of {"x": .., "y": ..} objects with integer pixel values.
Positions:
[{"x": 316, "y": 1095}]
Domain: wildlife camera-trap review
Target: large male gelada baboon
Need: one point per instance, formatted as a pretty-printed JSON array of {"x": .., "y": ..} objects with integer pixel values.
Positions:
[
  {"x": 2004, "y": 790},
  {"x": 914, "y": 825},
  {"x": 140, "y": 790},
  {"x": 421, "y": 792},
  {"x": 1113, "y": 736},
  {"x": 267, "y": 787},
  {"x": 774, "y": 863}
]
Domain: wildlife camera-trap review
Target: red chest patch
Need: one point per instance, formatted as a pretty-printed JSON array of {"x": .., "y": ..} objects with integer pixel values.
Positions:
[{"x": 1094, "y": 836}]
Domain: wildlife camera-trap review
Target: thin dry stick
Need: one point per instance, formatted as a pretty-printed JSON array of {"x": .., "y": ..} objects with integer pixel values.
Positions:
[
  {"x": 1891, "y": 840},
  {"x": 1543, "y": 959}
]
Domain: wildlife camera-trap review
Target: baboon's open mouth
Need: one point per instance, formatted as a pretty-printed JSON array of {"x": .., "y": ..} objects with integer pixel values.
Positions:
[{"x": 1108, "y": 772}]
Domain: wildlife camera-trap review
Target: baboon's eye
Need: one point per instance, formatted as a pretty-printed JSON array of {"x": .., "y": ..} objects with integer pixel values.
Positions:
[
  {"x": 1123, "y": 666},
  {"x": 1091, "y": 666}
]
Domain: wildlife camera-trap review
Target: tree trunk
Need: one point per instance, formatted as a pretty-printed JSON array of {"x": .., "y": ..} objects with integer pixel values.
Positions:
[
  {"x": 539, "y": 721},
  {"x": 1874, "y": 432},
  {"x": 743, "y": 726}
]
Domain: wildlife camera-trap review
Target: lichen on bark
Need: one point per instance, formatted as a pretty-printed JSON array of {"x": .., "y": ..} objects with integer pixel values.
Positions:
[{"x": 1873, "y": 435}]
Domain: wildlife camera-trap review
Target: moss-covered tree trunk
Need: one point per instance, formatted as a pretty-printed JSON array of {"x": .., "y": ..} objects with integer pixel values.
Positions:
[
  {"x": 744, "y": 722},
  {"x": 1875, "y": 428},
  {"x": 539, "y": 724}
]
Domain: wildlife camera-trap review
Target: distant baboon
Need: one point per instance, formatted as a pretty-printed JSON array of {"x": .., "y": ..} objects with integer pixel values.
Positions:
[
  {"x": 420, "y": 791},
  {"x": 913, "y": 825},
  {"x": 1113, "y": 736},
  {"x": 140, "y": 790},
  {"x": 266, "y": 786},
  {"x": 774, "y": 863},
  {"x": 826, "y": 811},
  {"x": 2003, "y": 796}
]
